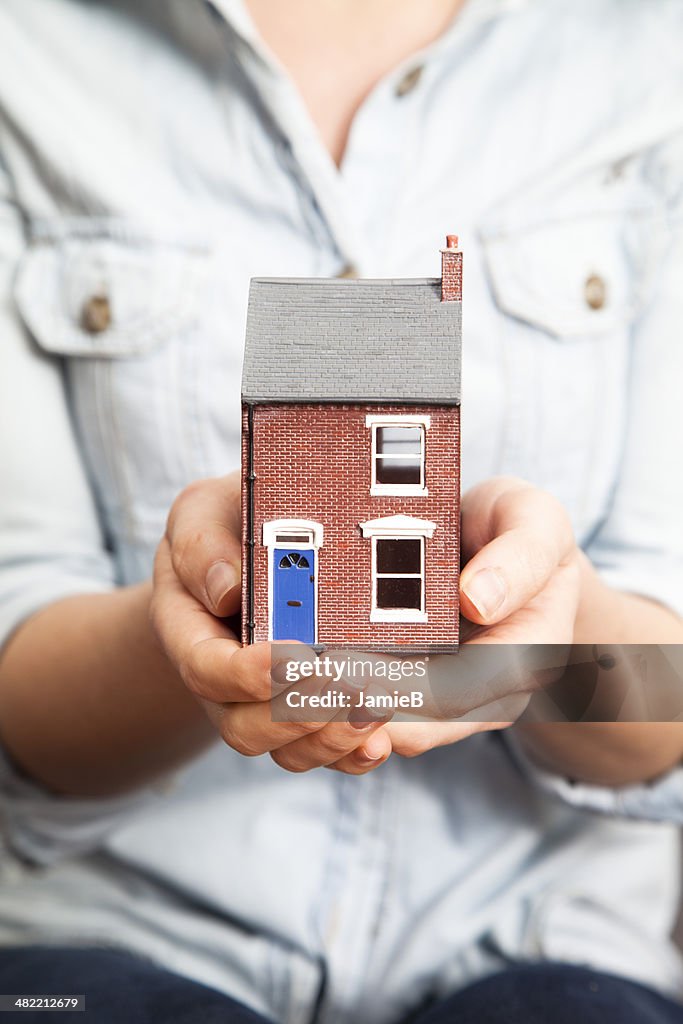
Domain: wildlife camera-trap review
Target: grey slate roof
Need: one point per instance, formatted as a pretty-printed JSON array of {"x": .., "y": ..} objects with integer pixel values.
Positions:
[{"x": 336, "y": 340}]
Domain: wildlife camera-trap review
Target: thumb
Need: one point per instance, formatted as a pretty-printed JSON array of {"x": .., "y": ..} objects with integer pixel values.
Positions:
[
  {"x": 204, "y": 536},
  {"x": 531, "y": 536}
]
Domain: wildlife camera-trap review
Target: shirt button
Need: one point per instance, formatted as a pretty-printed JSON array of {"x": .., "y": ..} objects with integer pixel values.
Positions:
[
  {"x": 595, "y": 291},
  {"x": 409, "y": 81},
  {"x": 348, "y": 271},
  {"x": 96, "y": 314}
]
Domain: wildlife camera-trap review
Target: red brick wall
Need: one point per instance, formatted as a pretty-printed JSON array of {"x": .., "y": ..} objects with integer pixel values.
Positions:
[{"x": 314, "y": 462}]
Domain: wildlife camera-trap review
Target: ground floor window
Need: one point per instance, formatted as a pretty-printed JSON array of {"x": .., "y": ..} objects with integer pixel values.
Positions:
[
  {"x": 399, "y": 573},
  {"x": 398, "y": 567}
]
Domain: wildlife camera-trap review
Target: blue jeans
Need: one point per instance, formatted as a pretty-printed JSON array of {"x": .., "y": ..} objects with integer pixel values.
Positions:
[{"x": 122, "y": 989}]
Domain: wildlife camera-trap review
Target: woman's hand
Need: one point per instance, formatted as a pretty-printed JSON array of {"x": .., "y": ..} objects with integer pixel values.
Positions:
[
  {"x": 520, "y": 582},
  {"x": 524, "y": 583},
  {"x": 196, "y": 589},
  {"x": 520, "y": 585}
]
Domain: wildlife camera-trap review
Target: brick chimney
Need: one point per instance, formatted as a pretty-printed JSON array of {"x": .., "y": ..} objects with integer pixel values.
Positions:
[{"x": 451, "y": 271}]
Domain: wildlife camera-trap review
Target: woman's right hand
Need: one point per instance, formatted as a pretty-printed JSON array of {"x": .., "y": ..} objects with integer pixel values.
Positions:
[{"x": 196, "y": 589}]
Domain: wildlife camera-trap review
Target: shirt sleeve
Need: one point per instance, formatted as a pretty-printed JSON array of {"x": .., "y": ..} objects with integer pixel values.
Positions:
[
  {"x": 639, "y": 547},
  {"x": 51, "y": 546},
  {"x": 42, "y": 829},
  {"x": 658, "y": 801}
]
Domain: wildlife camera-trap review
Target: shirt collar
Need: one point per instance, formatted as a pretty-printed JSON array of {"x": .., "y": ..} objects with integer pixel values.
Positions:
[
  {"x": 281, "y": 98},
  {"x": 236, "y": 14}
]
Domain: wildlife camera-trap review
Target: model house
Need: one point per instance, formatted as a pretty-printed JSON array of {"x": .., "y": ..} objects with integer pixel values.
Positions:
[{"x": 351, "y": 461}]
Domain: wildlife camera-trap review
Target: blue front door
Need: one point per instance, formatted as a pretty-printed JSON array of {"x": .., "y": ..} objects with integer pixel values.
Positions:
[{"x": 294, "y": 595}]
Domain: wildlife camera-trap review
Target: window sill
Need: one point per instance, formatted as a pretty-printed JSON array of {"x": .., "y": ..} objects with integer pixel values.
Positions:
[
  {"x": 398, "y": 490},
  {"x": 397, "y": 615}
]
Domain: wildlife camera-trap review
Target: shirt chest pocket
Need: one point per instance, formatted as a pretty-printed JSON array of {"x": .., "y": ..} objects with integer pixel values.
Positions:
[
  {"x": 125, "y": 316},
  {"x": 576, "y": 277},
  {"x": 567, "y": 292}
]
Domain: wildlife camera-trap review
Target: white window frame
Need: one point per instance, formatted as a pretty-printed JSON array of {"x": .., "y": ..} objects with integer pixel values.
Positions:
[
  {"x": 398, "y": 528},
  {"x": 397, "y": 420},
  {"x": 272, "y": 534}
]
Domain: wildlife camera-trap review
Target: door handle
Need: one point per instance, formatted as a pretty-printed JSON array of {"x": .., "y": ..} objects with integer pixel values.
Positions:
[{"x": 294, "y": 604}]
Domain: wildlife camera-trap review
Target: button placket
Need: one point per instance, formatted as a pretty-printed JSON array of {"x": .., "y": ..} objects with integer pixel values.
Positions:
[{"x": 379, "y": 160}]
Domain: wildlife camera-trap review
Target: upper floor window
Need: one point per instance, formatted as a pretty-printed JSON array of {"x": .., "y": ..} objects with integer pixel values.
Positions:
[{"x": 398, "y": 454}]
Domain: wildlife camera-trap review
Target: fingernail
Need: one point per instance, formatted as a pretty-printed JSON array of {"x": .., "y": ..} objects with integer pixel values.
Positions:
[
  {"x": 220, "y": 578},
  {"x": 373, "y": 750},
  {"x": 360, "y": 725},
  {"x": 364, "y": 718},
  {"x": 365, "y": 758},
  {"x": 487, "y": 592}
]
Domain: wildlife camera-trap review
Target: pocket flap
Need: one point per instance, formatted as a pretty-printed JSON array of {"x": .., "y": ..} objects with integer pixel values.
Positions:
[
  {"x": 107, "y": 297},
  {"x": 577, "y": 276}
]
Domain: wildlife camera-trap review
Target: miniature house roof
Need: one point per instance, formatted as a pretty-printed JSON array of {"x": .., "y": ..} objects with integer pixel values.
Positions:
[{"x": 337, "y": 340}]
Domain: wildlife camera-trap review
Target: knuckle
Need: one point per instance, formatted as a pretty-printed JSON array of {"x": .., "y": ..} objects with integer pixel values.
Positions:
[
  {"x": 306, "y": 728},
  {"x": 192, "y": 675},
  {"x": 236, "y": 739},
  {"x": 507, "y": 483},
  {"x": 554, "y": 512},
  {"x": 506, "y": 490},
  {"x": 177, "y": 509},
  {"x": 189, "y": 493},
  {"x": 246, "y": 682},
  {"x": 185, "y": 545},
  {"x": 349, "y": 767},
  {"x": 413, "y": 747},
  {"x": 535, "y": 565},
  {"x": 193, "y": 494},
  {"x": 339, "y": 744}
]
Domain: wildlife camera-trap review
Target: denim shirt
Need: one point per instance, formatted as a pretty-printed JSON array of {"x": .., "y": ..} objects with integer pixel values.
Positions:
[{"x": 157, "y": 154}]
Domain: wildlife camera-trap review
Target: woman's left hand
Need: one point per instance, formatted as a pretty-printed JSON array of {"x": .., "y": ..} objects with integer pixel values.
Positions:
[{"x": 520, "y": 585}]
